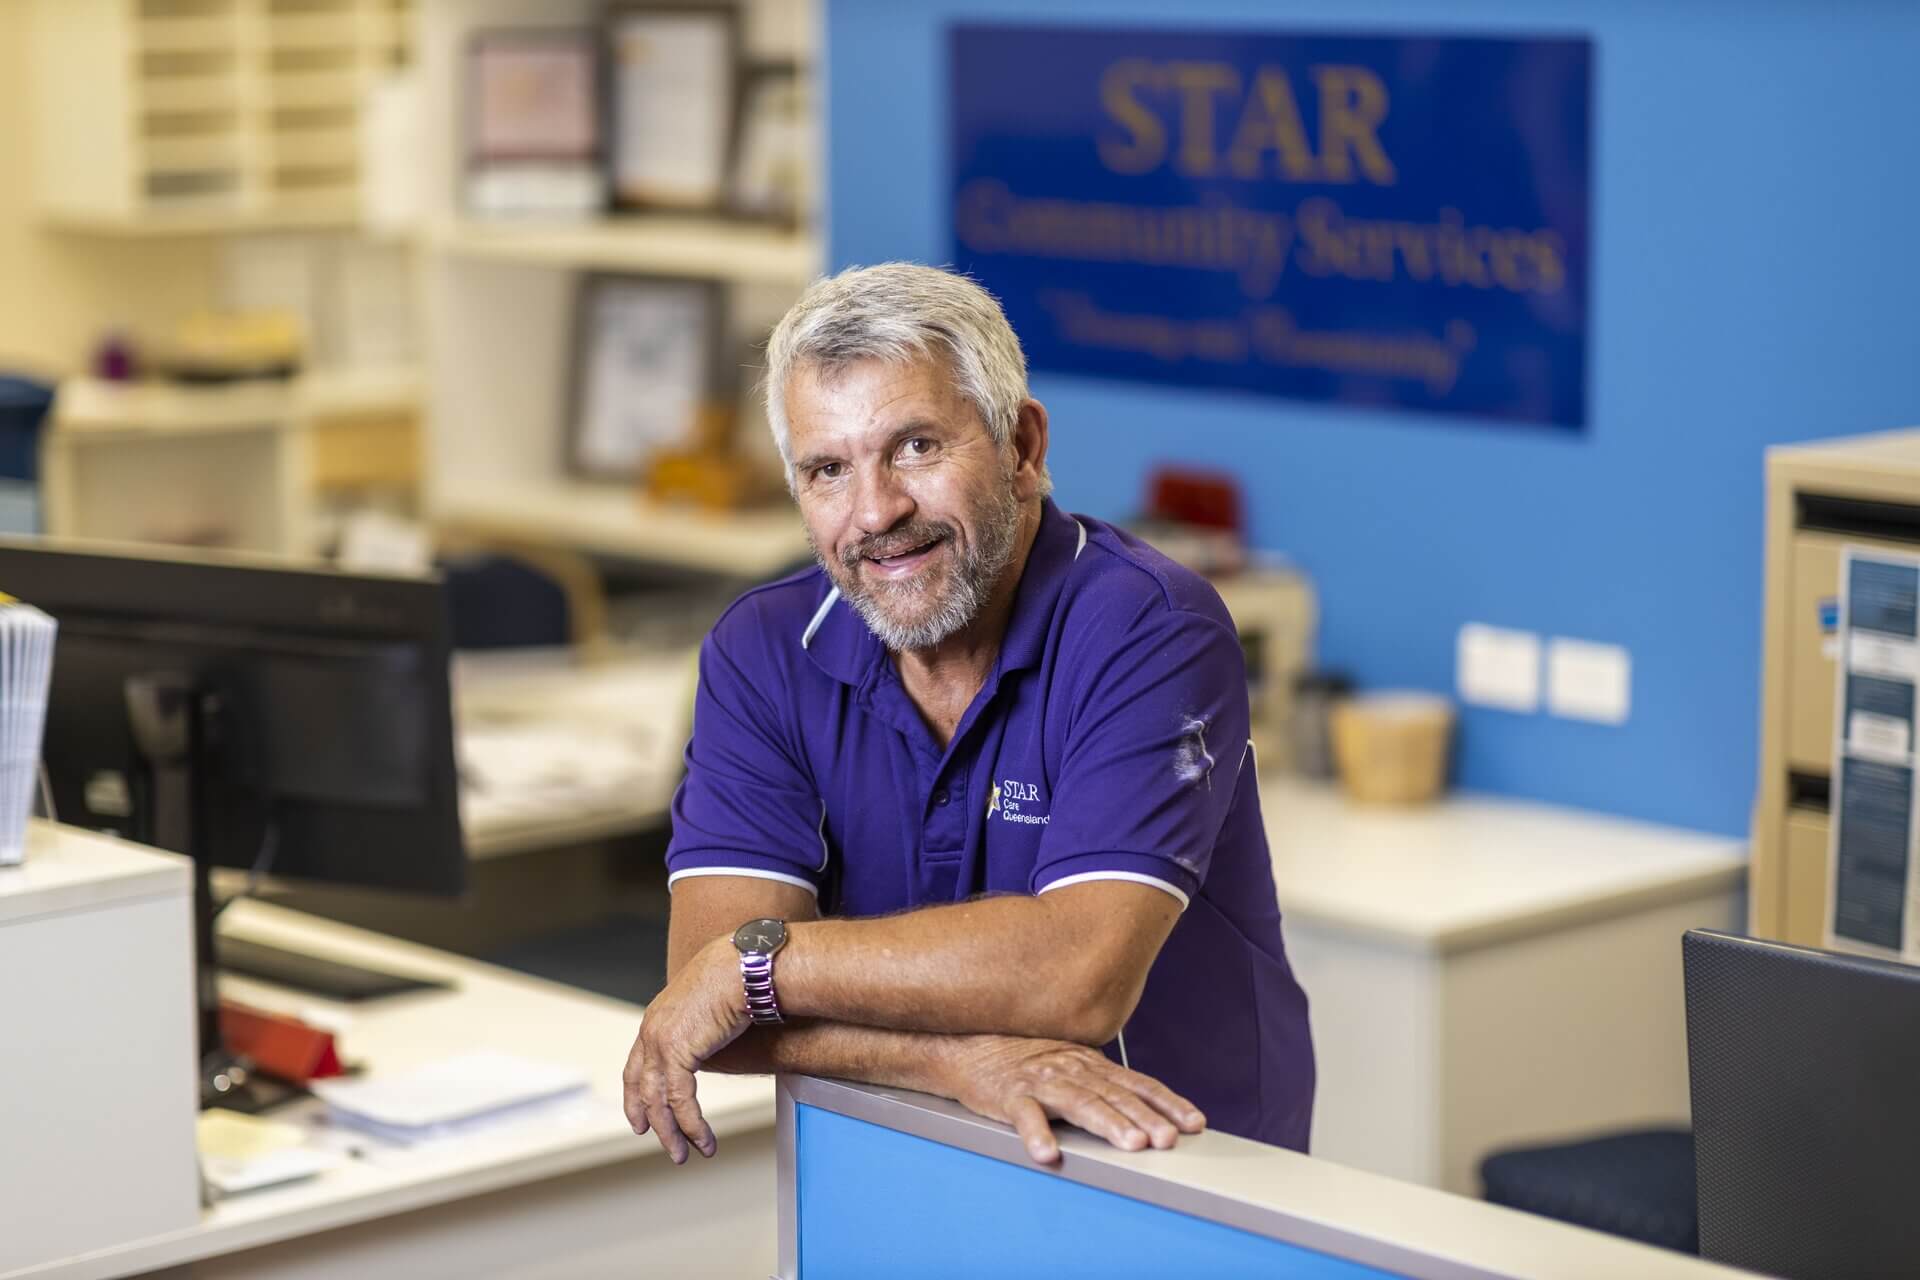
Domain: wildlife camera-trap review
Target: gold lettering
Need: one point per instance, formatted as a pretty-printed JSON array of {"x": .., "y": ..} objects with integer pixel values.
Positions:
[
  {"x": 1416, "y": 250},
  {"x": 1353, "y": 102},
  {"x": 1271, "y": 121},
  {"x": 1198, "y": 82},
  {"x": 1322, "y": 251},
  {"x": 1257, "y": 246},
  {"x": 1147, "y": 146},
  {"x": 1547, "y": 249},
  {"x": 1459, "y": 264}
]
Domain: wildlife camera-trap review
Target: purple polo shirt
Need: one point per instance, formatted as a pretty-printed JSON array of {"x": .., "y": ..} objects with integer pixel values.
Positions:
[{"x": 1108, "y": 743}]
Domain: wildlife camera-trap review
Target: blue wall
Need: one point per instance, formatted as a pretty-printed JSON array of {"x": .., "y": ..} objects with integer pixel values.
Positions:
[{"x": 1756, "y": 280}]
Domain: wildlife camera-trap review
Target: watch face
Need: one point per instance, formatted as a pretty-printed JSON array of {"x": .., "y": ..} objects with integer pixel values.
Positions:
[{"x": 762, "y": 937}]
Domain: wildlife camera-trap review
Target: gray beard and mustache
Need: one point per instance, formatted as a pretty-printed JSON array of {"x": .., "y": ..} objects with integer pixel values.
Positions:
[{"x": 939, "y": 605}]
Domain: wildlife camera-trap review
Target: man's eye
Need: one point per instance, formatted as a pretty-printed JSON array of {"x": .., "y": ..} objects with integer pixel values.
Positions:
[
  {"x": 829, "y": 471},
  {"x": 917, "y": 447}
]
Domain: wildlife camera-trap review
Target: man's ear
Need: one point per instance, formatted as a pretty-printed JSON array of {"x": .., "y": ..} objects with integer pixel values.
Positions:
[{"x": 1029, "y": 444}]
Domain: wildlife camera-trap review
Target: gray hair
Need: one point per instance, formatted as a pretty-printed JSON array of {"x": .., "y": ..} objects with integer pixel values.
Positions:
[{"x": 900, "y": 312}]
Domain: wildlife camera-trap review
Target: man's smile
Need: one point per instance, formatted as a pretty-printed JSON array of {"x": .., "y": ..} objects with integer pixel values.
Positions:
[{"x": 905, "y": 561}]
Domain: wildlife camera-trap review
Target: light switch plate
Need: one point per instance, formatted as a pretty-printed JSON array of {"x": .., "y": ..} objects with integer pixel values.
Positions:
[
  {"x": 1499, "y": 668},
  {"x": 1588, "y": 681}
]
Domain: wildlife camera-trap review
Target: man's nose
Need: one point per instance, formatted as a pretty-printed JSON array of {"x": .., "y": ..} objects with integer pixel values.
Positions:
[{"x": 881, "y": 501}]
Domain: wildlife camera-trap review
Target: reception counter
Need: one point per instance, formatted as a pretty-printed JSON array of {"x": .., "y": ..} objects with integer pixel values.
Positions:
[{"x": 886, "y": 1182}]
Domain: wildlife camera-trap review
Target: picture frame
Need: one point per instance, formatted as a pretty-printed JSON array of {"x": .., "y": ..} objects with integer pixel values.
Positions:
[
  {"x": 534, "y": 121},
  {"x": 673, "y": 94},
  {"x": 771, "y": 175},
  {"x": 647, "y": 354}
]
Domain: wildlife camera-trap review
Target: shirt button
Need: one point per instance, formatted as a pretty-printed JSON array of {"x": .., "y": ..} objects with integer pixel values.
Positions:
[{"x": 940, "y": 797}]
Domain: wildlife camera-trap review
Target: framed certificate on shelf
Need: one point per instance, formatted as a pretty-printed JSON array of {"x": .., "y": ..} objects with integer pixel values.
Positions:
[
  {"x": 646, "y": 360},
  {"x": 534, "y": 143},
  {"x": 772, "y": 167},
  {"x": 674, "y": 89}
]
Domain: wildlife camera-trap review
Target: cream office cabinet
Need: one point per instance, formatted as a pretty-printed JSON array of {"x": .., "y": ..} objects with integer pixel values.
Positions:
[{"x": 1862, "y": 491}]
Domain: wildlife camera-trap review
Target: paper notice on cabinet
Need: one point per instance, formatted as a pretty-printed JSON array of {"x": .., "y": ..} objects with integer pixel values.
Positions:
[{"x": 1873, "y": 873}]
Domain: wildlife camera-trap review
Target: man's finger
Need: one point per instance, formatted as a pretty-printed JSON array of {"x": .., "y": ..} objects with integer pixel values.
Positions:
[
  {"x": 667, "y": 1131},
  {"x": 1029, "y": 1120},
  {"x": 1160, "y": 1131},
  {"x": 1165, "y": 1101},
  {"x": 682, "y": 1098},
  {"x": 653, "y": 1092},
  {"x": 1091, "y": 1112},
  {"x": 631, "y": 1102}
]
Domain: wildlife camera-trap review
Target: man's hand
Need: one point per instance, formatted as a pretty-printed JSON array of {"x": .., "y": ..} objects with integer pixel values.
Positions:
[
  {"x": 1022, "y": 1082},
  {"x": 702, "y": 1011}
]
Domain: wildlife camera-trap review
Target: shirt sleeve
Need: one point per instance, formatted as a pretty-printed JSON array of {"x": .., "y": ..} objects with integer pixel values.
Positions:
[
  {"x": 748, "y": 805},
  {"x": 1155, "y": 750}
]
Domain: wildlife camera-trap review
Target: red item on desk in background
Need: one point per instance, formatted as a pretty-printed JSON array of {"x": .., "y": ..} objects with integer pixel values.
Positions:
[
  {"x": 1189, "y": 495},
  {"x": 1195, "y": 517},
  {"x": 281, "y": 1046}
]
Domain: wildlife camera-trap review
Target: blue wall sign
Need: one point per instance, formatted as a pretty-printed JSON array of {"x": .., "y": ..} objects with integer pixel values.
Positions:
[{"x": 1398, "y": 222}]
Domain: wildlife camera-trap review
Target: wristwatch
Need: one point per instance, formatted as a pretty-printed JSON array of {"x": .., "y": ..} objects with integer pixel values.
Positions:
[{"x": 757, "y": 941}]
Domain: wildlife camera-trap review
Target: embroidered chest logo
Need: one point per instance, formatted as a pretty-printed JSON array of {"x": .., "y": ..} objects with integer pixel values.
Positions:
[{"x": 1016, "y": 801}]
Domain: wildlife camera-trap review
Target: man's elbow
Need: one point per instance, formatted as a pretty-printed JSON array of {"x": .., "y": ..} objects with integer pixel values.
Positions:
[
  {"x": 1099, "y": 1013},
  {"x": 1094, "y": 1026}
]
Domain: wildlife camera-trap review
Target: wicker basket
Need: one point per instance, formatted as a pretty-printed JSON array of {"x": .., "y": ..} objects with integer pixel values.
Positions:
[{"x": 1392, "y": 747}]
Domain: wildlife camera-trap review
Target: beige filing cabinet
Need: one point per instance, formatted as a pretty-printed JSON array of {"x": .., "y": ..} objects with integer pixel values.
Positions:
[
  {"x": 1859, "y": 491},
  {"x": 1276, "y": 612}
]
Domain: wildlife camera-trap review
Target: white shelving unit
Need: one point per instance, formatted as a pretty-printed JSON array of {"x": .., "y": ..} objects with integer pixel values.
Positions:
[
  {"x": 197, "y": 116},
  {"x": 499, "y": 308},
  {"x": 241, "y": 466},
  {"x": 665, "y": 244}
]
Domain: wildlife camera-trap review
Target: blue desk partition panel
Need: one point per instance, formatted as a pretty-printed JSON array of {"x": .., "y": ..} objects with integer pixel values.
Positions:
[{"x": 877, "y": 1202}]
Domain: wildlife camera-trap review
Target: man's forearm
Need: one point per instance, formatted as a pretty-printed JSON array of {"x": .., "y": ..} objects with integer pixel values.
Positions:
[
  {"x": 870, "y": 1055},
  {"x": 1012, "y": 965}
]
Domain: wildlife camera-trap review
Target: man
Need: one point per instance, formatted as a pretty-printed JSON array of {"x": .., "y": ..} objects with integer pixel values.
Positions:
[{"x": 981, "y": 781}]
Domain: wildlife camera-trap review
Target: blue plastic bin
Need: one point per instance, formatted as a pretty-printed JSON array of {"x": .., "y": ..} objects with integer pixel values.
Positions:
[{"x": 23, "y": 408}]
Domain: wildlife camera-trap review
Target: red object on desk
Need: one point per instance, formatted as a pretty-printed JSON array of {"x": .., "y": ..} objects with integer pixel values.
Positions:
[
  {"x": 1192, "y": 495},
  {"x": 279, "y": 1045}
]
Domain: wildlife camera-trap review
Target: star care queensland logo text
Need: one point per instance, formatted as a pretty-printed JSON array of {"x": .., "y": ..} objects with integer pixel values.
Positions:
[{"x": 1011, "y": 800}]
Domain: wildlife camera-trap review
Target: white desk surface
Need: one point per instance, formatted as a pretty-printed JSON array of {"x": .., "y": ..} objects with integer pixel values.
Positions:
[
  {"x": 652, "y": 692},
  {"x": 66, "y": 868},
  {"x": 1464, "y": 872},
  {"x": 1472, "y": 870},
  {"x": 615, "y": 520},
  {"x": 491, "y": 1008}
]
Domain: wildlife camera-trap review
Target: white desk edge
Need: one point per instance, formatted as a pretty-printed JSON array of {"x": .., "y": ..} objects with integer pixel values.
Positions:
[{"x": 359, "y": 1192}]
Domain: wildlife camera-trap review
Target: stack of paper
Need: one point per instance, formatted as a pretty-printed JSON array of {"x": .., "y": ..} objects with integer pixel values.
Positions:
[
  {"x": 26, "y": 668},
  {"x": 448, "y": 1097},
  {"x": 517, "y": 768}
]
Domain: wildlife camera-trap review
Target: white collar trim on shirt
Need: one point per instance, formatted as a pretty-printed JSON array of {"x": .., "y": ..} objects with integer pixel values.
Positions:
[
  {"x": 819, "y": 616},
  {"x": 1081, "y": 545}
]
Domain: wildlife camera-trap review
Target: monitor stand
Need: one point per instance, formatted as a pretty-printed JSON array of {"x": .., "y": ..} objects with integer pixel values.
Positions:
[{"x": 166, "y": 714}]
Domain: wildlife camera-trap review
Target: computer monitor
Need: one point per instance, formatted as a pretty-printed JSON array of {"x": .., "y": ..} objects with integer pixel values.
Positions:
[
  {"x": 1805, "y": 1071},
  {"x": 251, "y": 715}
]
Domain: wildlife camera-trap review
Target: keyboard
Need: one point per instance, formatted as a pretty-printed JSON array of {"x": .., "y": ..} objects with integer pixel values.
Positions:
[{"x": 333, "y": 979}]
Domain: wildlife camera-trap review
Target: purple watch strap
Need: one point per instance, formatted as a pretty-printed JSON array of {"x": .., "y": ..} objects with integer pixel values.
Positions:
[{"x": 763, "y": 1007}]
